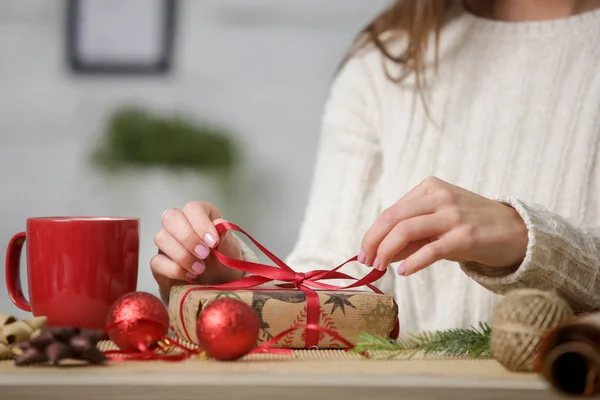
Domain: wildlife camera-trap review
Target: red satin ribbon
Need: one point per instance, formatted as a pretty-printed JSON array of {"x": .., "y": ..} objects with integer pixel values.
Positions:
[
  {"x": 145, "y": 354},
  {"x": 306, "y": 282}
]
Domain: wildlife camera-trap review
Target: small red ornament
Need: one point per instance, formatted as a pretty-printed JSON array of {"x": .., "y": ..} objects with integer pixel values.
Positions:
[
  {"x": 137, "y": 321},
  {"x": 227, "y": 329}
]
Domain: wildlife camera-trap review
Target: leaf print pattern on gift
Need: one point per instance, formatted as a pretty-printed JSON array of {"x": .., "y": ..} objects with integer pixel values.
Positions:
[
  {"x": 228, "y": 295},
  {"x": 259, "y": 298},
  {"x": 325, "y": 321},
  {"x": 377, "y": 317},
  {"x": 339, "y": 300},
  {"x": 288, "y": 340}
]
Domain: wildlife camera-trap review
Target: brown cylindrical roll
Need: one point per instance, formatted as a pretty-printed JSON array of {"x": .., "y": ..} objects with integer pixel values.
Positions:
[{"x": 569, "y": 356}]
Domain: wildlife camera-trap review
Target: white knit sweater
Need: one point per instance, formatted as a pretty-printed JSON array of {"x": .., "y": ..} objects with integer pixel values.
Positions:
[{"x": 516, "y": 108}]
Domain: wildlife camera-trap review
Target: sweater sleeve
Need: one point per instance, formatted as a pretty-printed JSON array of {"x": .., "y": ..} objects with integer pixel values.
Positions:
[
  {"x": 561, "y": 256},
  {"x": 344, "y": 197}
]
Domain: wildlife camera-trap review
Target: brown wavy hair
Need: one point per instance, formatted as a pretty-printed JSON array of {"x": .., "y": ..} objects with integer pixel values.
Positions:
[{"x": 420, "y": 22}]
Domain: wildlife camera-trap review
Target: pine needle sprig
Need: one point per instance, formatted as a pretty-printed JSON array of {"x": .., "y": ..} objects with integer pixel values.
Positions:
[{"x": 472, "y": 343}]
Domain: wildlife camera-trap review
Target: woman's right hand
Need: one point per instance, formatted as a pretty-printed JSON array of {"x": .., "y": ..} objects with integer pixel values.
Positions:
[{"x": 185, "y": 248}]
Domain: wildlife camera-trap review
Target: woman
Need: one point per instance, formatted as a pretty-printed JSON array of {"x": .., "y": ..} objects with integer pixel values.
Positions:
[{"x": 439, "y": 104}]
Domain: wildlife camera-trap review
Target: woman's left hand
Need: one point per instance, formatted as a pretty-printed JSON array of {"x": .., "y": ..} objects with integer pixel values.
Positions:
[{"x": 437, "y": 220}]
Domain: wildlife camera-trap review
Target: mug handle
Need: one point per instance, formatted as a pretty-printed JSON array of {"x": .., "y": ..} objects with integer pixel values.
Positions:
[{"x": 13, "y": 276}]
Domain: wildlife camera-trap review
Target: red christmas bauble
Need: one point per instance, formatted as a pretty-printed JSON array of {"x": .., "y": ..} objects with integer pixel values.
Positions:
[
  {"x": 227, "y": 329},
  {"x": 137, "y": 320}
]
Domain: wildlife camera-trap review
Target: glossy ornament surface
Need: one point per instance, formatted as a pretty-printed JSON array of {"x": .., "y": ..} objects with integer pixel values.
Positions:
[
  {"x": 227, "y": 329},
  {"x": 137, "y": 321}
]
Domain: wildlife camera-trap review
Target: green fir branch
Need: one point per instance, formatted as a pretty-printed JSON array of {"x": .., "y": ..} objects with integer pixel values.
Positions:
[{"x": 472, "y": 343}]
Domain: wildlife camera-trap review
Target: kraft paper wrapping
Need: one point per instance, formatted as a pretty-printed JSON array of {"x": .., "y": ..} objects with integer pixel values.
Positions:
[
  {"x": 13, "y": 331},
  {"x": 347, "y": 312},
  {"x": 569, "y": 356}
]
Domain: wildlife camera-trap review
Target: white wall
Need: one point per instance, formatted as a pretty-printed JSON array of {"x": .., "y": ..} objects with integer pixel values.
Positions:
[{"x": 261, "y": 66}]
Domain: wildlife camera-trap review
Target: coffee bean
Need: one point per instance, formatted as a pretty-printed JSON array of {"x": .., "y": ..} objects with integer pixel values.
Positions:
[
  {"x": 81, "y": 344},
  {"x": 60, "y": 343},
  {"x": 94, "y": 336},
  {"x": 30, "y": 356},
  {"x": 40, "y": 342},
  {"x": 57, "y": 351},
  {"x": 94, "y": 356},
  {"x": 64, "y": 334}
]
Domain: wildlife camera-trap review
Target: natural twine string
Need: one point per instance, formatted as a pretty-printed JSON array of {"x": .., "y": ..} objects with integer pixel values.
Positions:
[{"x": 520, "y": 320}]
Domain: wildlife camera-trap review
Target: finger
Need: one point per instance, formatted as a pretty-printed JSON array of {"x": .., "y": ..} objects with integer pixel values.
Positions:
[
  {"x": 405, "y": 232},
  {"x": 164, "y": 270},
  {"x": 201, "y": 216},
  {"x": 223, "y": 238},
  {"x": 366, "y": 257},
  {"x": 176, "y": 223},
  {"x": 429, "y": 254},
  {"x": 423, "y": 188},
  {"x": 417, "y": 191},
  {"x": 409, "y": 250},
  {"x": 387, "y": 221},
  {"x": 177, "y": 253},
  {"x": 228, "y": 244}
]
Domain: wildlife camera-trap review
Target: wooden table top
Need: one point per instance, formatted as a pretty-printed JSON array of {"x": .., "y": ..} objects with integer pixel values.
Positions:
[{"x": 307, "y": 374}]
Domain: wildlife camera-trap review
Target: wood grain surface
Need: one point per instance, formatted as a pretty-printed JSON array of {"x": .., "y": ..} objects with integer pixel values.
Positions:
[{"x": 276, "y": 378}]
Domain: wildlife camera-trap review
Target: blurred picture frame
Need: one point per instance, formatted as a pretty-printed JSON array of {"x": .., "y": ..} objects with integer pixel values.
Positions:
[{"x": 120, "y": 36}]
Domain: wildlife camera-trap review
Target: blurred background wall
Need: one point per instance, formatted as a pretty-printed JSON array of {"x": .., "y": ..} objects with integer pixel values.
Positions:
[{"x": 261, "y": 68}]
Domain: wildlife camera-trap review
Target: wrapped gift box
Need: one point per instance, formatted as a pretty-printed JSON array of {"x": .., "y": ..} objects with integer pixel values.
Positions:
[{"x": 347, "y": 312}]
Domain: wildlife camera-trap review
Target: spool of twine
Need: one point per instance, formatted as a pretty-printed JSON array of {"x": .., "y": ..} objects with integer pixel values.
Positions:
[{"x": 520, "y": 320}]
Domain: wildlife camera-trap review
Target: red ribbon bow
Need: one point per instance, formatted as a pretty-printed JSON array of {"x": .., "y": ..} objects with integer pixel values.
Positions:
[{"x": 306, "y": 282}]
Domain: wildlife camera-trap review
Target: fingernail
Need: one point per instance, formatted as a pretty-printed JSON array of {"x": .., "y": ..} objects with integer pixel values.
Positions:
[
  {"x": 361, "y": 257},
  {"x": 210, "y": 240},
  {"x": 376, "y": 263},
  {"x": 202, "y": 251},
  {"x": 198, "y": 267},
  {"x": 401, "y": 270},
  {"x": 191, "y": 278}
]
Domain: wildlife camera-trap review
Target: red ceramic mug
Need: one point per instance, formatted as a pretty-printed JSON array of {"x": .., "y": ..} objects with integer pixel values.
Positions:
[{"x": 76, "y": 267}]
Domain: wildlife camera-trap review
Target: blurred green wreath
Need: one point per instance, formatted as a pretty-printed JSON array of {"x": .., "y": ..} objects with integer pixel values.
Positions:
[{"x": 135, "y": 137}]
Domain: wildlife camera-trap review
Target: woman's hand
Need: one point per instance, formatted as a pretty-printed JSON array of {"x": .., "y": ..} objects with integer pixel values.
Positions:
[
  {"x": 437, "y": 220},
  {"x": 185, "y": 245}
]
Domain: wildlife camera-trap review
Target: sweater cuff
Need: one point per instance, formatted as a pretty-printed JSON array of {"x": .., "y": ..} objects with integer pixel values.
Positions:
[{"x": 502, "y": 279}]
